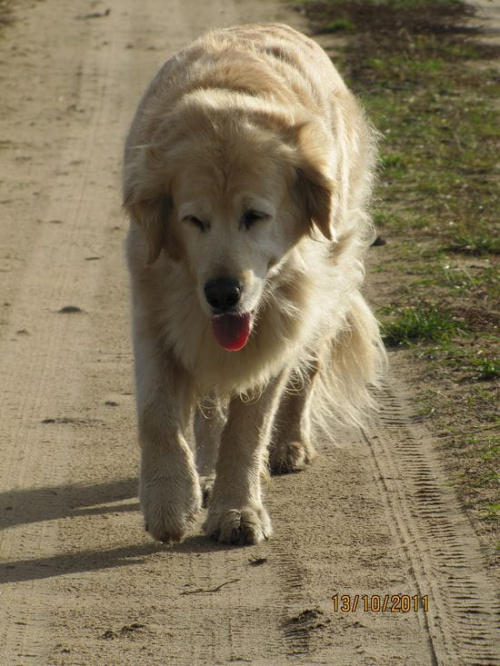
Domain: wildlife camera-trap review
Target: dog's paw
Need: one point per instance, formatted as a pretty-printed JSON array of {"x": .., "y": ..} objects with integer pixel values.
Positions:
[
  {"x": 246, "y": 526},
  {"x": 290, "y": 457},
  {"x": 169, "y": 507},
  {"x": 207, "y": 485}
]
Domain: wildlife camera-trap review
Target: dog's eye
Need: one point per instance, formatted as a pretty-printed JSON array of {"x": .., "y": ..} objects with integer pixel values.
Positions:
[
  {"x": 197, "y": 223},
  {"x": 251, "y": 216}
]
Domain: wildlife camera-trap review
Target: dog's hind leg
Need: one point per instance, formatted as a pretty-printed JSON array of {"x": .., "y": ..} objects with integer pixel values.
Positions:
[
  {"x": 209, "y": 421},
  {"x": 291, "y": 448},
  {"x": 236, "y": 514}
]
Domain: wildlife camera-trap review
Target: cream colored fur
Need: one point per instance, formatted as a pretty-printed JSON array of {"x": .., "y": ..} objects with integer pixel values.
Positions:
[{"x": 252, "y": 117}]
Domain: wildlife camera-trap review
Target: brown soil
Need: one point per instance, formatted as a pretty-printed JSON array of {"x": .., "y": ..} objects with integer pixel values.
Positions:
[{"x": 80, "y": 582}]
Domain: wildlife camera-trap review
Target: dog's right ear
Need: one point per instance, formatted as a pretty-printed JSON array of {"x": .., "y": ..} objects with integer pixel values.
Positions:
[{"x": 146, "y": 200}]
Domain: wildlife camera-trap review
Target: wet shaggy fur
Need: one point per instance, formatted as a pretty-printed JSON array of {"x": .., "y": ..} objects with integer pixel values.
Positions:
[{"x": 248, "y": 159}]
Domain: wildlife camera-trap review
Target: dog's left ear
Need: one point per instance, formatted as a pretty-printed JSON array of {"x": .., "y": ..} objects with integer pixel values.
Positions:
[{"x": 315, "y": 185}]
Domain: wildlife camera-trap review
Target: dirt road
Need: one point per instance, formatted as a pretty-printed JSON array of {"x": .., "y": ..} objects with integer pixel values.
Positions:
[{"x": 80, "y": 581}]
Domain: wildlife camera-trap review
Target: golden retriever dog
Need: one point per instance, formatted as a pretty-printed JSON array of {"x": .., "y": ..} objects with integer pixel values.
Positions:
[{"x": 248, "y": 168}]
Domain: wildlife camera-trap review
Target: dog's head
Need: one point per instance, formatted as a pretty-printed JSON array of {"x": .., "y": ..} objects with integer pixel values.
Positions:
[{"x": 229, "y": 192}]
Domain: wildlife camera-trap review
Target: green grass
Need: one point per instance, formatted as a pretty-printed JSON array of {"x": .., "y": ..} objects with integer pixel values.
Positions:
[
  {"x": 474, "y": 245},
  {"x": 339, "y": 25},
  {"x": 488, "y": 369},
  {"x": 420, "y": 323},
  {"x": 492, "y": 512},
  {"x": 441, "y": 154}
]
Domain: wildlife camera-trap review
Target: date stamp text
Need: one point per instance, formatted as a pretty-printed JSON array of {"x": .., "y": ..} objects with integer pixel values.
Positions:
[{"x": 376, "y": 603}]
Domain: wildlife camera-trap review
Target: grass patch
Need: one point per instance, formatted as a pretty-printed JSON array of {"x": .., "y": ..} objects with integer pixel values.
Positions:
[
  {"x": 475, "y": 245},
  {"x": 492, "y": 512},
  {"x": 339, "y": 25},
  {"x": 422, "y": 323},
  {"x": 380, "y": 16},
  {"x": 488, "y": 369}
]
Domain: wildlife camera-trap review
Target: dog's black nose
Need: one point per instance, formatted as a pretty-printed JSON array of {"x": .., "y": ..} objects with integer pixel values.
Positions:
[{"x": 223, "y": 294}]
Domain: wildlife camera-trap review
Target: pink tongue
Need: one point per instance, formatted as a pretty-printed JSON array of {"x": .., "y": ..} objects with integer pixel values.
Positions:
[{"x": 232, "y": 331}]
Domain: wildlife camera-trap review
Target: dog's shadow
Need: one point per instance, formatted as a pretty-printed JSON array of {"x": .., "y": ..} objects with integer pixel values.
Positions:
[
  {"x": 37, "y": 505},
  {"x": 33, "y": 505},
  {"x": 30, "y": 569}
]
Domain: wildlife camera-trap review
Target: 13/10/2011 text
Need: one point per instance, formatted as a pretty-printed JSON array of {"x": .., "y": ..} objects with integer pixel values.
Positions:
[{"x": 376, "y": 603}]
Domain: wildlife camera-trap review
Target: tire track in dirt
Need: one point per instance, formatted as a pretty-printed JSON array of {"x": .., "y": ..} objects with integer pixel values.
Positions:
[{"x": 464, "y": 613}]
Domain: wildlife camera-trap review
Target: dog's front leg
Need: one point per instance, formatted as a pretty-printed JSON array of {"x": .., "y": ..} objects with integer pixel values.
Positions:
[
  {"x": 236, "y": 514},
  {"x": 169, "y": 486}
]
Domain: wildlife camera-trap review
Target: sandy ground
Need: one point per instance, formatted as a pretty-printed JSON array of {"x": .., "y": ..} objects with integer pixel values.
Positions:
[{"x": 80, "y": 582}]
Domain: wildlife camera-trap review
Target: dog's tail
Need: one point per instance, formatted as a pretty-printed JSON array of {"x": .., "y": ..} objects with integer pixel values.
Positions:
[{"x": 351, "y": 368}]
